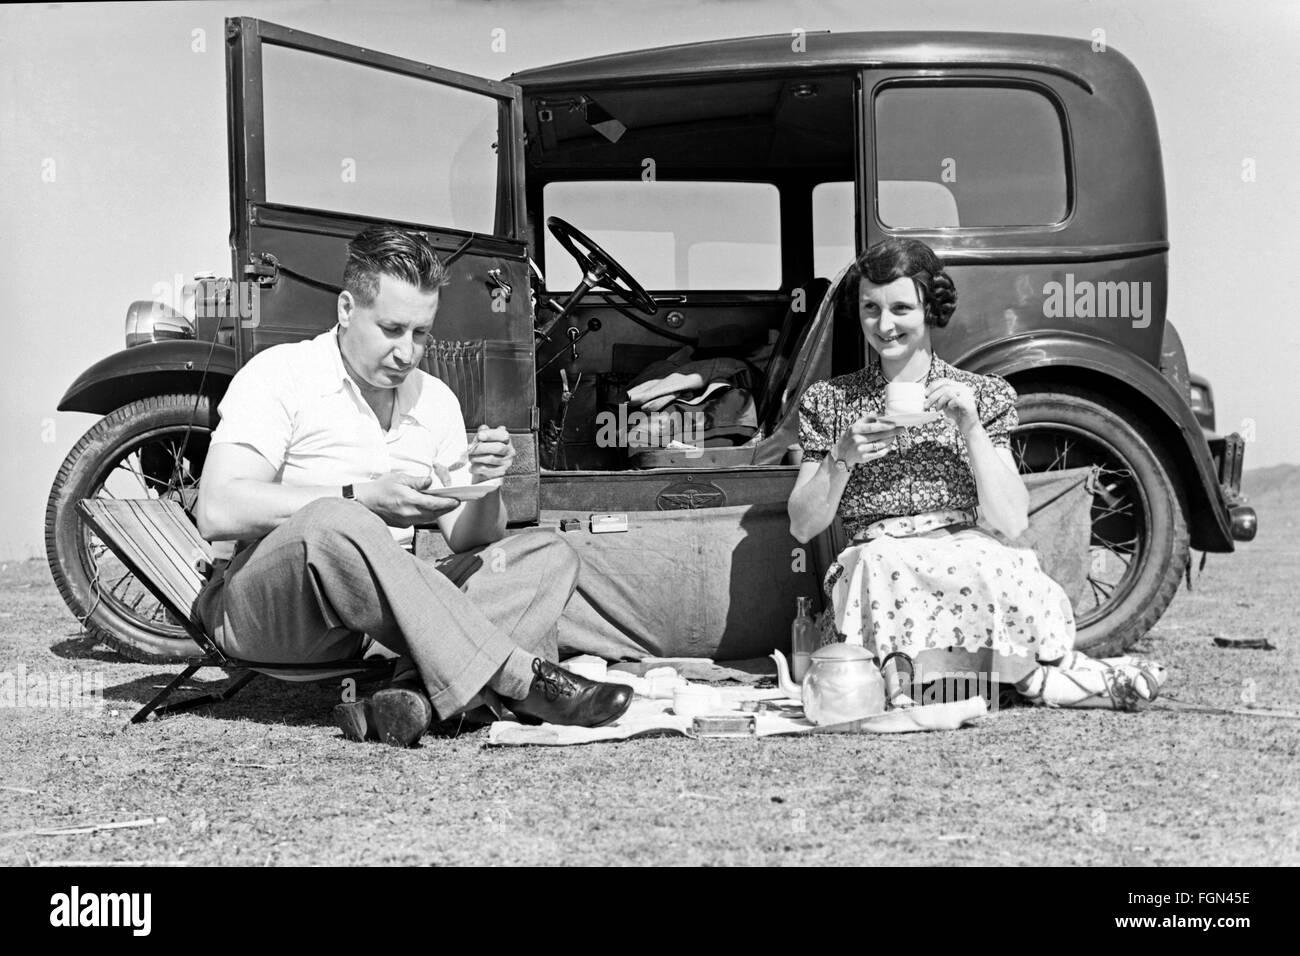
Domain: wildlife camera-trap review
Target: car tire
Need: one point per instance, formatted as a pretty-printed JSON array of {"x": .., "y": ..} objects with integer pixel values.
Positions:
[
  {"x": 149, "y": 428},
  {"x": 1096, "y": 430}
]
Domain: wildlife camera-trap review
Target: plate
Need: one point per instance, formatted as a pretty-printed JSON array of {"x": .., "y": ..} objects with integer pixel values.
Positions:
[
  {"x": 466, "y": 492},
  {"x": 909, "y": 419}
]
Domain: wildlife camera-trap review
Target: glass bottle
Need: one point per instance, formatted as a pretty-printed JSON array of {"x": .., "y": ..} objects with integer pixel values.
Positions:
[{"x": 804, "y": 638}]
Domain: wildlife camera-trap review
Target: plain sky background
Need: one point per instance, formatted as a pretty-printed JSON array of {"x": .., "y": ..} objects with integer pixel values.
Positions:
[{"x": 134, "y": 120}]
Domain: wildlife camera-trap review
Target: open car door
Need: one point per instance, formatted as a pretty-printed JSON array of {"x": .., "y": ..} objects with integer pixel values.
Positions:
[{"x": 327, "y": 138}]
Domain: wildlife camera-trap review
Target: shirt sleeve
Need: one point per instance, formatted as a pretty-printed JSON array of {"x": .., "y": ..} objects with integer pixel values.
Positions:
[
  {"x": 816, "y": 422},
  {"x": 452, "y": 440},
  {"x": 257, "y": 409},
  {"x": 998, "y": 411}
]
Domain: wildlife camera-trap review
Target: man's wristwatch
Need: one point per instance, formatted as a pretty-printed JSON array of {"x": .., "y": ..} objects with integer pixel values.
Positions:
[{"x": 348, "y": 492}]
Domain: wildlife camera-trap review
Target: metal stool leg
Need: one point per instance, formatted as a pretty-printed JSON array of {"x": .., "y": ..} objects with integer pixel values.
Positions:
[
  {"x": 158, "y": 708},
  {"x": 143, "y": 713}
]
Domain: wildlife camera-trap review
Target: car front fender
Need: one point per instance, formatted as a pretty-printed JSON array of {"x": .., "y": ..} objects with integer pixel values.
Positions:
[
  {"x": 174, "y": 366},
  {"x": 1082, "y": 360}
]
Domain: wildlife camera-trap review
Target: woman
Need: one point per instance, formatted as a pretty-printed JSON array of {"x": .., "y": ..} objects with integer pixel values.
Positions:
[{"x": 918, "y": 576}]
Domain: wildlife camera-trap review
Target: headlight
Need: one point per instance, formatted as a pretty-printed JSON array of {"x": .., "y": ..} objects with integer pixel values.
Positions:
[{"x": 148, "y": 321}]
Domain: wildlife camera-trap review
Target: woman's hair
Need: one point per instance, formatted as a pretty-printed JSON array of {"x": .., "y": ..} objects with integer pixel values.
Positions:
[{"x": 892, "y": 259}]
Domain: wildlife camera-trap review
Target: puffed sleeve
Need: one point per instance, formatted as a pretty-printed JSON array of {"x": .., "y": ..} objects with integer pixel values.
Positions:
[
  {"x": 997, "y": 407},
  {"x": 816, "y": 421},
  {"x": 257, "y": 409}
]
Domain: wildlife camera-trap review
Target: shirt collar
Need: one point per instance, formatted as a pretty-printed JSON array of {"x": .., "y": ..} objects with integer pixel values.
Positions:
[
  {"x": 875, "y": 373},
  {"x": 335, "y": 378}
]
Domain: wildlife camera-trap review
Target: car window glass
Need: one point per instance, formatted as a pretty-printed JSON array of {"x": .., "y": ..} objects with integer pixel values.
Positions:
[
  {"x": 833, "y": 232},
  {"x": 968, "y": 156},
  {"x": 672, "y": 235},
  {"x": 348, "y": 138}
]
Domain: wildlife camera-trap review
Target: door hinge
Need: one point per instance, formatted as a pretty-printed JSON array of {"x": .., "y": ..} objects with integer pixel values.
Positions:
[
  {"x": 535, "y": 419},
  {"x": 264, "y": 272}
]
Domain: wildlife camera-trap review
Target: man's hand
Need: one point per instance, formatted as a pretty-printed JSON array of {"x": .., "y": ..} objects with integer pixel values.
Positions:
[
  {"x": 401, "y": 500},
  {"x": 866, "y": 440},
  {"x": 491, "y": 454}
]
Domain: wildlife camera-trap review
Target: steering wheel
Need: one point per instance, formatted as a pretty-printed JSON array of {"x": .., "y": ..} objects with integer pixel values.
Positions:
[{"x": 610, "y": 276}]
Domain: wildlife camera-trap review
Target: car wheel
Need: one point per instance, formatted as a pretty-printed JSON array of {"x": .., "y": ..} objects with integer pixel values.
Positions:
[
  {"x": 1139, "y": 540},
  {"x": 151, "y": 448}
]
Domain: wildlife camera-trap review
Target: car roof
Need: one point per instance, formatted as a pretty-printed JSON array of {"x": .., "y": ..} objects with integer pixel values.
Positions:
[{"x": 1066, "y": 56}]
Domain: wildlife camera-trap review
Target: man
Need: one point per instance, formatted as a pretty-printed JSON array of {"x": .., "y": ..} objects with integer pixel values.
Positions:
[{"x": 328, "y": 452}]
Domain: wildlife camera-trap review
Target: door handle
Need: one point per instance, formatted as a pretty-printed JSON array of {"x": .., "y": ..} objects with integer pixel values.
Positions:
[{"x": 495, "y": 278}]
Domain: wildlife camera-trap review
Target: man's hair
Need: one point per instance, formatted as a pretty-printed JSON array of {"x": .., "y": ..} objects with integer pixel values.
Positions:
[{"x": 388, "y": 250}]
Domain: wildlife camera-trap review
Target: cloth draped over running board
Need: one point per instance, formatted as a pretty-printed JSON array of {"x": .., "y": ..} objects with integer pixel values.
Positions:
[{"x": 718, "y": 582}]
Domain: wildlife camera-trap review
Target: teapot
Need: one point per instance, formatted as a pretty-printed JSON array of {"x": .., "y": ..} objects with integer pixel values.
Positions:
[{"x": 842, "y": 684}]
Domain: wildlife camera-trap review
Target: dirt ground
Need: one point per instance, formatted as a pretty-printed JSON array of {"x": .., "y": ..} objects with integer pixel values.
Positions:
[{"x": 267, "y": 780}]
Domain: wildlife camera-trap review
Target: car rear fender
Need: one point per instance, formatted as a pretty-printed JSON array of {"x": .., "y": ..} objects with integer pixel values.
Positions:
[
  {"x": 156, "y": 368},
  {"x": 1035, "y": 361}
]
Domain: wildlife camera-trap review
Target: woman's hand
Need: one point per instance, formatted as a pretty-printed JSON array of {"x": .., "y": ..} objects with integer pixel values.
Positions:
[
  {"x": 955, "y": 400},
  {"x": 866, "y": 440}
]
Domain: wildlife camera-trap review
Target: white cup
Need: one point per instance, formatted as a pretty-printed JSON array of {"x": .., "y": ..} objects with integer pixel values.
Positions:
[
  {"x": 592, "y": 668},
  {"x": 904, "y": 398}
]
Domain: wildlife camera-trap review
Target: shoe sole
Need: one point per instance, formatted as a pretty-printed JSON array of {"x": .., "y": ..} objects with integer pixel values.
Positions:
[{"x": 399, "y": 717}]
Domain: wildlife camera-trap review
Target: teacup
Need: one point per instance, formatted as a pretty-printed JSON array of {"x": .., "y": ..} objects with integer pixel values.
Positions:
[{"x": 904, "y": 398}]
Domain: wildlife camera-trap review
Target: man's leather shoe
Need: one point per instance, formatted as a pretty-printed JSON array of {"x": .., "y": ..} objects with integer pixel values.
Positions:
[
  {"x": 557, "y": 696},
  {"x": 398, "y": 715}
]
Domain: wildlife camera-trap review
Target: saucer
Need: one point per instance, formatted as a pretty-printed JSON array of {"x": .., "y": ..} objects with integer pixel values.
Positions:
[
  {"x": 909, "y": 419},
  {"x": 466, "y": 492}
]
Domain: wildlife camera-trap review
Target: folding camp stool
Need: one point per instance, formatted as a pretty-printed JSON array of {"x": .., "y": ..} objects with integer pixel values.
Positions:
[{"x": 160, "y": 545}]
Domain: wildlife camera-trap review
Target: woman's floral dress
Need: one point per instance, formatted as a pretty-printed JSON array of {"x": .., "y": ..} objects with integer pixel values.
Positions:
[{"x": 954, "y": 589}]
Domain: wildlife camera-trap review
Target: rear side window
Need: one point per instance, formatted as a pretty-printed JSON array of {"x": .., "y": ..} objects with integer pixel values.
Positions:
[
  {"x": 672, "y": 234},
  {"x": 960, "y": 156},
  {"x": 833, "y": 232}
]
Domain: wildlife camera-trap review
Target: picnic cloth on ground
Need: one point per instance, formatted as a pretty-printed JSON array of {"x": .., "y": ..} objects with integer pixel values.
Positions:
[
  {"x": 702, "y": 669},
  {"x": 654, "y": 718}
]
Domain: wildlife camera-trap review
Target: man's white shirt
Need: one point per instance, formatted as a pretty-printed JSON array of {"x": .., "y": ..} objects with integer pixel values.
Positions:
[{"x": 298, "y": 407}]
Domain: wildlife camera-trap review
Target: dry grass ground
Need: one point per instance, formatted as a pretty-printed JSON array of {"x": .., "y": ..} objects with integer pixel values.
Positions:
[{"x": 267, "y": 780}]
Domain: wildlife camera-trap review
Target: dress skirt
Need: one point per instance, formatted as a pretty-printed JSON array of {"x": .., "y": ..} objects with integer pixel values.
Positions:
[{"x": 955, "y": 590}]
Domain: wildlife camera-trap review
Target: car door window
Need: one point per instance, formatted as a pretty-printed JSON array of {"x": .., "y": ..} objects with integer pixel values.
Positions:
[{"x": 354, "y": 139}]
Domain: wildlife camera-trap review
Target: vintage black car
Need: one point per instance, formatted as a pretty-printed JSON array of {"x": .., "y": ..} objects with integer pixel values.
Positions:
[{"x": 715, "y": 190}]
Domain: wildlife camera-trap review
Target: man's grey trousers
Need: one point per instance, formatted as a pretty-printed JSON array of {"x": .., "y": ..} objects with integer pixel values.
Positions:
[{"x": 311, "y": 588}]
